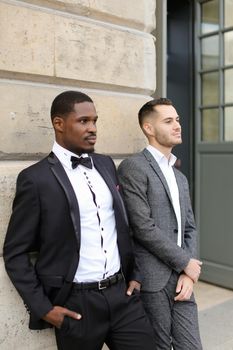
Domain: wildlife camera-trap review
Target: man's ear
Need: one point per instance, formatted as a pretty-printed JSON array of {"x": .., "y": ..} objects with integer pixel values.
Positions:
[
  {"x": 58, "y": 124},
  {"x": 148, "y": 129}
]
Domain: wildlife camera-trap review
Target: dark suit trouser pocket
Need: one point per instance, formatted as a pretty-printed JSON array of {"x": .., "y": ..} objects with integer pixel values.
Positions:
[
  {"x": 71, "y": 327},
  {"x": 108, "y": 315},
  {"x": 89, "y": 332}
]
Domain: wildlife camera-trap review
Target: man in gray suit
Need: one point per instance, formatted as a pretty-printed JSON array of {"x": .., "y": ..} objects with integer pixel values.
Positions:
[{"x": 157, "y": 199}]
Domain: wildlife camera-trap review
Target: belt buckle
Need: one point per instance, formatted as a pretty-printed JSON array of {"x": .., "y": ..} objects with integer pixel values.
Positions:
[{"x": 101, "y": 287}]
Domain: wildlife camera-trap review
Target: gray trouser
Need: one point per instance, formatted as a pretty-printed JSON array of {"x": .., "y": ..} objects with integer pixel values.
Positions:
[{"x": 175, "y": 323}]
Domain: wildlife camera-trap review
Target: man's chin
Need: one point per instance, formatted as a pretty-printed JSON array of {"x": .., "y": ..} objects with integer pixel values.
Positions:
[
  {"x": 92, "y": 150},
  {"x": 178, "y": 141},
  {"x": 83, "y": 150}
]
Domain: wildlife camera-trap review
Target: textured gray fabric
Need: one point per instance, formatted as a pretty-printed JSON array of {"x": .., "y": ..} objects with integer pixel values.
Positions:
[
  {"x": 175, "y": 323},
  {"x": 153, "y": 221}
]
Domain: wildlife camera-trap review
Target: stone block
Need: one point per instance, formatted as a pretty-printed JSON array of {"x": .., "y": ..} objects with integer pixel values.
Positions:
[
  {"x": 133, "y": 13},
  {"x": 28, "y": 129},
  {"x": 27, "y": 40},
  {"x": 14, "y": 332},
  {"x": 8, "y": 174},
  {"x": 59, "y": 46},
  {"x": 138, "y": 14},
  {"x": 89, "y": 52},
  {"x": 26, "y": 119}
]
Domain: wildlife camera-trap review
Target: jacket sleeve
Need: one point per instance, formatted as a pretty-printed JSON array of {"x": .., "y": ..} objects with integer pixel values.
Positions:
[
  {"x": 22, "y": 238},
  {"x": 134, "y": 182}
]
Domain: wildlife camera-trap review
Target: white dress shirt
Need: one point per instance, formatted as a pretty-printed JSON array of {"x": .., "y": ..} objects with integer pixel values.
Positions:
[
  {"x": 166, "y": 166},
  {"x": 99, "y": 255}
]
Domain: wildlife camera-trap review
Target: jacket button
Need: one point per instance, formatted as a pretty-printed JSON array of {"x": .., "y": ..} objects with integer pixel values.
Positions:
[{"x": 175, "y": 230}]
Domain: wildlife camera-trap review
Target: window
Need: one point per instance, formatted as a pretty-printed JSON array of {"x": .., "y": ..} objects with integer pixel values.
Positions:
[{"x": 215, "y": 70}]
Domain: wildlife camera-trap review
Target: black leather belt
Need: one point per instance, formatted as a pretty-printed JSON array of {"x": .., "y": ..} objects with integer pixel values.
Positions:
[{"x": 101, "y": 284}]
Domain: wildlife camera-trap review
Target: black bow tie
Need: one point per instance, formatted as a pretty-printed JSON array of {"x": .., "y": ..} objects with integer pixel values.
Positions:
[{"x": 83, "y": 161}]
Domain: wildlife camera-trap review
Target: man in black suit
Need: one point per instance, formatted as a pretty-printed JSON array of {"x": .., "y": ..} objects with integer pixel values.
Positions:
[{"x": 68, "y": 210}]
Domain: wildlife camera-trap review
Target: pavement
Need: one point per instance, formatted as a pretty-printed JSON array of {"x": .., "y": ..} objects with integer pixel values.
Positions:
[{"x": 215, "y": 308}]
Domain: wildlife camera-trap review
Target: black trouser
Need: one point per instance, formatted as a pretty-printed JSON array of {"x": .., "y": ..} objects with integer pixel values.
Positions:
[{"x": 108, "y": 316}]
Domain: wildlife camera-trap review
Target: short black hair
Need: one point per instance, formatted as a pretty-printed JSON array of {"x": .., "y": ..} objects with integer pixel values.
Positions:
[
  {"x": 64, "y": 102},
  {"x": 148, "y": 107}
]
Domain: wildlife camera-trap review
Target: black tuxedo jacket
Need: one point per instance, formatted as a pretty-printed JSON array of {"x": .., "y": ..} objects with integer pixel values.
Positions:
[{"x": 46, "y": 220}]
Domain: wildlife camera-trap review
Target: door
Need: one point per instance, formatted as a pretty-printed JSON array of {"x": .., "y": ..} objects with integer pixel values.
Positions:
[
  {"x": 214, "y": 138},
  {"x": 200, "y": 83}
]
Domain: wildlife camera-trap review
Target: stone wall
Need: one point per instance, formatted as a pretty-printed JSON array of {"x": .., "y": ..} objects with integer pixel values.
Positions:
[{"x": 102, "y": 47}]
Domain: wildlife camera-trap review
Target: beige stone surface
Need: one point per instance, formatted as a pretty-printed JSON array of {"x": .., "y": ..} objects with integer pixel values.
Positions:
[
  {"x": 138, "y": 14},
  {"x": 8, "y": 174},
  {"x": 28, "y": 130},
  {"x": 209, "y": 295},
  {"x": 27, "y": 40},
  {"x": 14, "y": 332},
  {"x": 141, "y": 17},
  {"x": 118, "y": 129},
  {"x": 97, "y": 54},
  {"x": 26, "y": 120},
  {"x": 35, "y": 42}
]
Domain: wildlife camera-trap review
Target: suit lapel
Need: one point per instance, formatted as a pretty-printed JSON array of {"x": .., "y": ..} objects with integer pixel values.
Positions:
[
  {"x": 63, "y": 180},
  {"x": 111, "y": 185},
  {"x": 104, "y": 173},
  {"x": 156, "y": 168},
  {"x": 179, "y": 181}
]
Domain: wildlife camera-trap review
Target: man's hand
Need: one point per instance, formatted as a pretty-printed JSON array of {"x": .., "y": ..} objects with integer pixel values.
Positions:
[
  {"x": 193, "y": 269},
  {"x": 184, "y": 288},
  {"x": 133, "y": 285},
  {"x": 57, "y": 314}
]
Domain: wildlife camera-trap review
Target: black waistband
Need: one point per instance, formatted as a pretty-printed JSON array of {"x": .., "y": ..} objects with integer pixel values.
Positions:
[{"x": 101, "y": 284}]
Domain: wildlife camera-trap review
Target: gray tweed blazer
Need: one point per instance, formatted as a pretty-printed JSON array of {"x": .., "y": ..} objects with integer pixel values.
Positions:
[{"x": 153, "y": 220}]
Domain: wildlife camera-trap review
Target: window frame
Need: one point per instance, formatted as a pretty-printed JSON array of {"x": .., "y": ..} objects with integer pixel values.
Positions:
[{"x": 220, "y": 69}]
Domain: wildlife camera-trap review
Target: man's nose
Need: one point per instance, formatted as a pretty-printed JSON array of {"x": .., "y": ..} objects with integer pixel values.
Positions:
[
  {"x": 177, "y": 125},
  {"x": 92, "y": 127}
]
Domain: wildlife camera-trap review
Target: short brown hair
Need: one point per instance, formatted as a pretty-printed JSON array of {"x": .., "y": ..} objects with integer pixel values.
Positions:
[{"x": 148, "y": 107}]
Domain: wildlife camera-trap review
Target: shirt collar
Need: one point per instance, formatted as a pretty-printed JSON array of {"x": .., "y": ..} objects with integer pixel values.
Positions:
[
  {"x": 160, "y": 157},
  {"x": 64, "y": 155}
]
